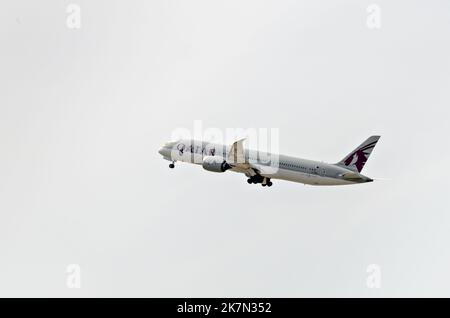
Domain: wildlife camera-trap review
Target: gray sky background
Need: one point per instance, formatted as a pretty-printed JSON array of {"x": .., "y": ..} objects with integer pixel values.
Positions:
[{"x": 84, "y": 111}]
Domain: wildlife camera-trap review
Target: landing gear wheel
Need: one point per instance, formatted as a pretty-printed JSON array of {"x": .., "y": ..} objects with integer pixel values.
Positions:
[
  {"x": 269, "y": 184},
  {"x": 172, "y": 165},
  {"x": 263, "y": 184},
  {"x": 249, "y": 181}
]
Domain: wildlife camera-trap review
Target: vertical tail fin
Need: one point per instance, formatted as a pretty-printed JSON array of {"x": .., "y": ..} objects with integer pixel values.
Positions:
[{"x": 356, "y": 160}]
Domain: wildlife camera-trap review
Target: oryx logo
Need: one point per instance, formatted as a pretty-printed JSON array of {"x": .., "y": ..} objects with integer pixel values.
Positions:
[
  {"x": 359, "y": 156},
  {"x": 181, "y": 148}
]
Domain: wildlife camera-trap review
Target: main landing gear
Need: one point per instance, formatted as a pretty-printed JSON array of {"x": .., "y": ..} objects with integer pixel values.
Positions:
[{"x": 259, "y": 179}]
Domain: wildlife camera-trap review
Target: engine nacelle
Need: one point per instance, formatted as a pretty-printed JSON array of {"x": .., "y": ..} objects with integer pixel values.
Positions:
[{"x": 215, "y": 164}]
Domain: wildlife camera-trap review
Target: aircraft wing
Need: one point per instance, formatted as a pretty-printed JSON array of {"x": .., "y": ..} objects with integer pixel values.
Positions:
[
  {"x": 236, "y": 158},
  {"x": 264, "y": 170},
  {"x": 236, "y": 155}
]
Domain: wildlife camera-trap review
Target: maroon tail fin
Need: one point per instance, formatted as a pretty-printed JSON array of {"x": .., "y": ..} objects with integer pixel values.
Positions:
[{"x": 356, "y": 160}]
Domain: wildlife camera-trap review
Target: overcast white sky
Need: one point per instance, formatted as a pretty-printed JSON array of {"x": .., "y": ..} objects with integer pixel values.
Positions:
[{"x": 84, "y": 111}]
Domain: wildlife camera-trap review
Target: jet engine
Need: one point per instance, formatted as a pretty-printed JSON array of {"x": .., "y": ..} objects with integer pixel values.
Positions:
[{"x": 215, "y": 164}]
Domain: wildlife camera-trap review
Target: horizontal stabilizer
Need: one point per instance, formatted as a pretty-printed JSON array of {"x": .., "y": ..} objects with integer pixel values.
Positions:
[{"x": 352, "y": 176}]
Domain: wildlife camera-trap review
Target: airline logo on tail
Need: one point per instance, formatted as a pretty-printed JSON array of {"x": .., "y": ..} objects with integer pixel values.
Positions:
[{"x": 358, "y": 158}]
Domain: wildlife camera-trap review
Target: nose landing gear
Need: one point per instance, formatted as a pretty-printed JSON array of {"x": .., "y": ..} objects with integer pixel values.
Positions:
[{"x": 172, "y": 165}]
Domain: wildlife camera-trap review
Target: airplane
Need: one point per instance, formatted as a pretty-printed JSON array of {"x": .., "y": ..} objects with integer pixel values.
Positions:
[{"x": 262, "y": 167}]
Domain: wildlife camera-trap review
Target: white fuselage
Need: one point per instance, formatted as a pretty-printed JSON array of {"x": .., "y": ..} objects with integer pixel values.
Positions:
[{"x": 266, "y": 164}]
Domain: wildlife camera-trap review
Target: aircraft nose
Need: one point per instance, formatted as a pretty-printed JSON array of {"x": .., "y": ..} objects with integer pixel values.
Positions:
[{"x": 165, "y": 152}]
